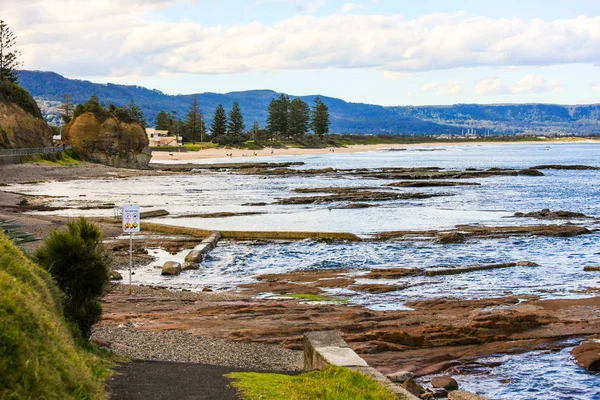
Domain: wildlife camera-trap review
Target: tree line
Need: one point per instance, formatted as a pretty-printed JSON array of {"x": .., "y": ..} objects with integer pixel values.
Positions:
[{"x": 287, "y": 120}]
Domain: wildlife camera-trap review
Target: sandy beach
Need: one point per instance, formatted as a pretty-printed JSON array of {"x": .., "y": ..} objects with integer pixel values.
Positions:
[{"x": 160, "y": 156}]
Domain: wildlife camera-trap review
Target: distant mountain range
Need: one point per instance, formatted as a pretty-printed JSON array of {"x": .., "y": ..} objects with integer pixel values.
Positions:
[{"x": 48, "y": 88}]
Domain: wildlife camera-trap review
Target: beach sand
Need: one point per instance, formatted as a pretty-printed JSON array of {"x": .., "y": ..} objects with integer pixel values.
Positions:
[{"x": 160, "y": 156}]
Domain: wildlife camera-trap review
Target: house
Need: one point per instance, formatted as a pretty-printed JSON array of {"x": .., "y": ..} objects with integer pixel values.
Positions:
[{"x": 158, "y": 138}]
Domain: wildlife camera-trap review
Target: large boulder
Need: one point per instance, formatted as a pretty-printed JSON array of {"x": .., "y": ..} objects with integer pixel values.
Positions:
[
  {"x": 171, "y": 268},
  {"x": 21, "y": 122},
  {"x": 444, "y": 382},
  {"x": 108, "y": 140},
  {"x": 587, "y": 355}
]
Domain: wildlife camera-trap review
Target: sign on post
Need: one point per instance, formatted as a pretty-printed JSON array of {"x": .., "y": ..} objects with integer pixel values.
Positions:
[
  {"x": 131, "y": 225},
  {"x": 131, "y": 218}
]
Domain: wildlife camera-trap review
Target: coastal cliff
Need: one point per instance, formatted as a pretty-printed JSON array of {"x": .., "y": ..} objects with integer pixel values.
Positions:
[
  {"x": 108, "y": 140},
  {"x": 21, "y": 121}
]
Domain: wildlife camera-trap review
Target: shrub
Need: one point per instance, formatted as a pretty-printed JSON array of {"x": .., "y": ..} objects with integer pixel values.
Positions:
[{"x": 76, "y": 260}]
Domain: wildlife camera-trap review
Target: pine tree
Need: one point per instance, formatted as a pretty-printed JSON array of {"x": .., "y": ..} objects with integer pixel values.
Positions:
[
  {"x": 235, "y": 126},
  {"x": 136, "y": 113},
  {"x": 9, "y": 60},
  {"x": 320, "y": 118},
  {"x": 162, "y": 121},
  {"x": 299, "y": 118},
  {"x": 194, "y": 127},
  {"x": 67, "y": 108},
  {"x": 219, "y": 124},
  {"x": 255, "y": 129},
  {"x": 277, "y": 120}
]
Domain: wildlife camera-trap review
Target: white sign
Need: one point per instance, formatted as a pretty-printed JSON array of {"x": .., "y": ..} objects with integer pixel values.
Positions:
[{"x": 131, "y": 218}]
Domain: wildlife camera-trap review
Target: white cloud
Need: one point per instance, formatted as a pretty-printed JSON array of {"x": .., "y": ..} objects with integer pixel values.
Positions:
[
  {"x": 396, "y": 76},
  {"x": 490, "y": 86},
  {"x": 349, "y": 7},
  {"x": 536, "y": 84},
  {"x": 128, "y": 38},
  {"x": 449, "y": 88},
  {"x": 596, "y": 86}
]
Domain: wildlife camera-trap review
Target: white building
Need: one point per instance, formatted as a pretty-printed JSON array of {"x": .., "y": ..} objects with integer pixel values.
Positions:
[{"x": 159, "y": 138}]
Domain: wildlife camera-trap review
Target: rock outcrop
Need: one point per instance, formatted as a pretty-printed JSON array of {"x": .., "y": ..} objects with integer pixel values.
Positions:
[
  {"x": 21, "y": 122},
  {"x": 587, "y": 355},
  {"x": 171, "y": 268},
  {"x": 108, "y": 140}
]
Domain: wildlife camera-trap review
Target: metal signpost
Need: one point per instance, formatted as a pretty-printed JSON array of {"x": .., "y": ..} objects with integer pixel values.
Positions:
[{"x": 131, "y": 225}]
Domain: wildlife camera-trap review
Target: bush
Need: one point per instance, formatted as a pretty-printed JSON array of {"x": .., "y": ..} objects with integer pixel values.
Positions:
[
  {"x": 12, "y": 92},
  {"x": 76, "y": 260}
]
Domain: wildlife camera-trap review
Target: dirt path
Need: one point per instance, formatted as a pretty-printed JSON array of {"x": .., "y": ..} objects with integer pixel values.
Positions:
[{"x": 157, "y": 380}]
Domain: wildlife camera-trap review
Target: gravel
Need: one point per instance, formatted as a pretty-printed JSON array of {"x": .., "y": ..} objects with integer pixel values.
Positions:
[{"x": 180, "y": 346}]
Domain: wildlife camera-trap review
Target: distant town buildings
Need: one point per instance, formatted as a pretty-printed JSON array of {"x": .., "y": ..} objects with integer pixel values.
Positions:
[{"x": 158, "y": 138}]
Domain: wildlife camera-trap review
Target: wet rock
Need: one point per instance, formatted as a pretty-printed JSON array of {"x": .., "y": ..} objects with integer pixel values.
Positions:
[
  {"x": 413, "y": 387},
  {"x": 400, "y": 376},
  {"x": 451, "y": 238},
  {"x": 547, "y": 214},
  {"x": 377, "y": 288},
  {"x": 432, "y": 184},
  {"x": 359, "y": 196},
  {"x": 566, "y": 167},
  {"x": 462, "y": 395},
  {"x": 260, "y": 204},
  {"x": 591, "y": 269},
  {"x": 587, "y": 355},
  {"x": 471, "y": 268},
  {"x": 171, "y": 268},
  {"x": 440, "y": 393},
  {"x": 531, "y": 172},
  {"x": 444, "y": 382},
  {"x": 428, "y": 395},
  {"x": 355, "y": 206},
  {"x": 391, "y": 273},
  {"x": 190, "y": 266},
  {"x": 115, "y": 276},
  {"x": 153, "y": 214}
]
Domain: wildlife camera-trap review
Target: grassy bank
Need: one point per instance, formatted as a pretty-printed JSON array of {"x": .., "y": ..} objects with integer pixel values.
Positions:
[
  {"x": 333, "y": 383},
  {"x": 39, "y": 358},
  {"x": 64, "y": 158}
]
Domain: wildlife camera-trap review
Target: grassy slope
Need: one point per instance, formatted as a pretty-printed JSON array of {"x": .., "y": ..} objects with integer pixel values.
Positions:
[
  {"x": 333, "y": 383},
  {"x": 39, "y": 358}
]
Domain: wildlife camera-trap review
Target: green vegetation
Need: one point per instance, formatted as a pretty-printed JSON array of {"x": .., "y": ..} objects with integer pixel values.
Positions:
[
  {"x": 68, "y": 157},
  {"x": 333, "y": 383},
  {"x": 316, "y": 297},
  {"x": 76, "y": 260},
  {"x": 320, "y": 118},
  {"x": 9, "y": 60},
  {"x": 129, "y": 114},
  {"x": 194, "y": 127},
  {"x": 39, "y": 358},
  {"x": 200, "y": 146},
  {"x": 11, "y": 92}
]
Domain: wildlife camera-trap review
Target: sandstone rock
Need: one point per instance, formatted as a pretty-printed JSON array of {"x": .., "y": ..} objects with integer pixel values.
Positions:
[
  {"x": 171, "y": 268},
  {"x": 400, "y": 376},
  {"x": 462, "y": 395},
  {"x": 427, "y": 396},
  {"x": 444, "y": 382},
  {"x": 108, "y": 140},
  {"x": 530, "y": 172},
  {"x": 413, "y": 387},
  {"x": 587, "y": 355},
  {"x": 115, "y": 276},
  {"x": 591, "y": 269},
  {"x": 450, "y": 238},
  {"x": 21, "y": 121},
  {"x": 190, "y": 266}
]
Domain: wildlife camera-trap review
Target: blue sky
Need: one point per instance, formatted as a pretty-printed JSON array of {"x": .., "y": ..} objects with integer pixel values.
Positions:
[{"x": 373, "y": 51}]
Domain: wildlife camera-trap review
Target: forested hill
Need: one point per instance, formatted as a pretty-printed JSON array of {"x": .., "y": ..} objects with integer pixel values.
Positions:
[{"x": 48, "y": 89}]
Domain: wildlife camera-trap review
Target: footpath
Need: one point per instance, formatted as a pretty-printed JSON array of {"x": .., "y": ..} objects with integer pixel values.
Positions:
[{"x": 159, "y": 380}]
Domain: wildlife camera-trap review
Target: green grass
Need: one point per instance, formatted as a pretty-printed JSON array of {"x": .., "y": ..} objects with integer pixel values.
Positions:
[
  {"x": 315, "y": 297},
  {"x": 333, "y": 383},
  {"x": 64, "y": 158},
  {"x": 39, "y": 357},
  {"x": 200, "y": 145}
]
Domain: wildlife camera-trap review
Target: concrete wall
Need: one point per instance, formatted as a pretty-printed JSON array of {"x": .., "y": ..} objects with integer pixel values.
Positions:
[{"x": 328, "y": 348}]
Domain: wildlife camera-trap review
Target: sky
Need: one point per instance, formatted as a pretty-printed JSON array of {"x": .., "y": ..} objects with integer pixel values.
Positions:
[{"x": 423, "y": 52}]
